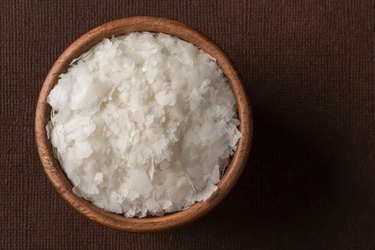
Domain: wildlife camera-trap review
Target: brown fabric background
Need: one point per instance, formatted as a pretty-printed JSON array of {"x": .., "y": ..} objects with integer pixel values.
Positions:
[{"x": 309, "y": 68}]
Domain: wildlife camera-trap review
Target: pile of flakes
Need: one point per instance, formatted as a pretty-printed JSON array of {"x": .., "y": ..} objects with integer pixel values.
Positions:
[{"x": 143, "y": 124}]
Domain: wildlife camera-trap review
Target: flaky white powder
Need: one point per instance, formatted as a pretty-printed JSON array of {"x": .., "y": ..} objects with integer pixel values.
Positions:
[{"x": 143, "y": 124}]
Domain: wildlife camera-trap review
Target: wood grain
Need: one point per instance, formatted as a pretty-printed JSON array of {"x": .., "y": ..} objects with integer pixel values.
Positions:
[{"x": 59, "y": 179}]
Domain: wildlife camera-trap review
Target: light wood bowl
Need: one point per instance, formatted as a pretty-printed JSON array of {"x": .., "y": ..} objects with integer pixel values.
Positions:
[{"x": 148, "y": 224}]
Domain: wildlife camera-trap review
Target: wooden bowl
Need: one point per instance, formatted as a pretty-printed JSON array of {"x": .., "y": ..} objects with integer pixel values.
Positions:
[{"x": 58, "y": 178}]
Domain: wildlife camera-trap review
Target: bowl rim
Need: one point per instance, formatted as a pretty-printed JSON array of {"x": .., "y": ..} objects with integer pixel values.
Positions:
[{"x": 57, "y": 176}]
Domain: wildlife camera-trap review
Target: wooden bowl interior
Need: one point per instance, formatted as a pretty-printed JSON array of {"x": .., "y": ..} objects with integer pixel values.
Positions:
[{"x": 58, "y": 177}]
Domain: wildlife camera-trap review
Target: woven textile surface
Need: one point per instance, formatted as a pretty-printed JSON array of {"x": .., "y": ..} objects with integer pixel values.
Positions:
[{"x": 309, "y": 69}]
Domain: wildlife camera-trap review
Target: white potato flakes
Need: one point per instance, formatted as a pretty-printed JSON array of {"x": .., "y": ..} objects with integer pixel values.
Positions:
[{"x": 144, "y": 124}]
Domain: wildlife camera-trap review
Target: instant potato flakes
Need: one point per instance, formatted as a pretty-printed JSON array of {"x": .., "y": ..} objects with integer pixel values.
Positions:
[{"x": 143, "y": 124}]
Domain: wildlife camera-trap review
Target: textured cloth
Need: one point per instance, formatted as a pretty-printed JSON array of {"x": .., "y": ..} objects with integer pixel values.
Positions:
[{"x": 309, "y": 69}]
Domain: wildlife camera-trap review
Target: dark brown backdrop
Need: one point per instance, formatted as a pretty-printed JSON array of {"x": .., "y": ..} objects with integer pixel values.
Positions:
[{"x": 309, "y": 68}]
